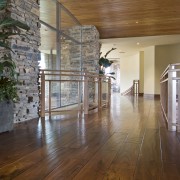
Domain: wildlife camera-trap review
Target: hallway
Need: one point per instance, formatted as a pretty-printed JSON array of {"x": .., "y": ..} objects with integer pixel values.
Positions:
[{"x": 130, "y": 141}]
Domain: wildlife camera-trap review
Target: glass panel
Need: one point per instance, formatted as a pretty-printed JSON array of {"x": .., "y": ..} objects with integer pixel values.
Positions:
[
  {"x": 63, "y": 93},
  {"x": 70, "y": 55},
  {"x": 70, "y": 26},
  {"x": 104, "y": 90},
  {"x": 55, "y": 95},
  {"x": 67, "y": 21},
  {"x": 48, "y": 40},
  {"x": 48, "y": 12},
  {"x": 69, "y": 93}
]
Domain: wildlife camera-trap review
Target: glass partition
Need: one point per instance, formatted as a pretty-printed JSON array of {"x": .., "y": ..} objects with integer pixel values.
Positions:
[
  {"x": 61, "y": 49},
  {"x": 48, "y": 14}
]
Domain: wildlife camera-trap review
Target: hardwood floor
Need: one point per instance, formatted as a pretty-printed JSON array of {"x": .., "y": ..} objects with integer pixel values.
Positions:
[{"x": 127, "y": 142}]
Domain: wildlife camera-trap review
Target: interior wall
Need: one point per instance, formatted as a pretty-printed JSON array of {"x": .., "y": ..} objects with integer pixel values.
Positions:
[
  {"x": 113, "y": 54},
  {"x": 129, "y": 71},
  {"x": 149, "y": 70},
  {"x": 129, "y": 65},
  {"x": 164, "y": 55}
]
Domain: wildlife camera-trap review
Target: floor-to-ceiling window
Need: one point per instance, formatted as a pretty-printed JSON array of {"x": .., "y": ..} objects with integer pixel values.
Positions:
[{"x": 61, "y": 49}]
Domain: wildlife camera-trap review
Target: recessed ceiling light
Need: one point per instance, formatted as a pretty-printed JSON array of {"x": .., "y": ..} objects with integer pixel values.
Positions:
[
  {"x": 137, "y": 43},
  {"x": 137, "y": 22}
]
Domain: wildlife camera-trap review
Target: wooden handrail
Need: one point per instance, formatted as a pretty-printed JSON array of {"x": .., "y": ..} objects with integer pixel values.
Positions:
[
  {"x": 72, "y": 71},
  {"x": 82, "y": 73}
]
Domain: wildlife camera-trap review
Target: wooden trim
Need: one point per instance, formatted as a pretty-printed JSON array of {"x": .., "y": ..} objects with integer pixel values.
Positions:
[
  {"x": 151, "y": 96},
  {"x": 141, "y": 94},
  {"x": 156, "y": 96}
]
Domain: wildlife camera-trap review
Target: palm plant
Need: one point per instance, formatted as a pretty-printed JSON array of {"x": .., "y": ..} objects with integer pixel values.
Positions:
[
  {"x": 105, "y": 63},
  {"x": 3, "y": 4}
]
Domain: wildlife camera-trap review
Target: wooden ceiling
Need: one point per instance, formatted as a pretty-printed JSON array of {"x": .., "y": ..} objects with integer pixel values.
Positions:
[{"x": 127, "y": 18}]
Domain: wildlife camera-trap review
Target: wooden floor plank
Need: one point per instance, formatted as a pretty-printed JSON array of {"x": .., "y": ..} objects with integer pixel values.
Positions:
[
  {"x": 150, "y": 150},
  {"x": 41, "y": 169},
  {"x": 148, "y": 170},
  {"x": 171, "y": 171},
  {"x": 123, "y": 165},
  {"x": 170, "y": 146},
  {"x": 97, "y": 166},
  {"x": 128, "y": 141},
  {"x": 66, "y": 170},
  {"x": 150, "y": 165}
]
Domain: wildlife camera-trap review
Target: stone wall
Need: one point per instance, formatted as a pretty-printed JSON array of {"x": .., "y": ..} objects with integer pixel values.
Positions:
[
  {"x": 90, "y": 48},
  {"x": 89, "y": 60},
  {"x": 26, "y": 57}
]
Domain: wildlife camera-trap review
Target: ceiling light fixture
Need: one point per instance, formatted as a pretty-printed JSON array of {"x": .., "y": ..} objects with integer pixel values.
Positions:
[{"x": 137, "y": 43}]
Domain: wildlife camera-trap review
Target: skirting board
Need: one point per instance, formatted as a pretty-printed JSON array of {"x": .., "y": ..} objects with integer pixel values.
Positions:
[{"x": 151, "y": 96}]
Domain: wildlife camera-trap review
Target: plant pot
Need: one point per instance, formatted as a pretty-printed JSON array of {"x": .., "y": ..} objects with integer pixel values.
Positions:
[{"x": 6, "y": 116}]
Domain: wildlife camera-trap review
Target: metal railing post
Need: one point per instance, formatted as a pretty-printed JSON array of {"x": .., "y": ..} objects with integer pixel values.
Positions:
[
  {"x": 86, "y": 94},
  {"x": 178, "y": 108},
  {"x": 79, "y": 96},
  {"x": 171, "y": 100}
]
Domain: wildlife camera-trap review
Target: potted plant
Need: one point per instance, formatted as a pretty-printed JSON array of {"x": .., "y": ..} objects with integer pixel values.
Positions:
[
  {"x": 8, "y": 76},
  {"x": 105, "y": 63}
]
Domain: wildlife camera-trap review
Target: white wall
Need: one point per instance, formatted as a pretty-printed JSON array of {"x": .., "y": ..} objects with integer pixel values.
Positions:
[
  {"x": 113, "y": 54},
  {"x": 149, "y": 70},
  {"x": 164, "y": 55},
  {"x": 155, "y": 59},
  {"x": 129, "y": 70},
  {"x": 129, "y": 65}
]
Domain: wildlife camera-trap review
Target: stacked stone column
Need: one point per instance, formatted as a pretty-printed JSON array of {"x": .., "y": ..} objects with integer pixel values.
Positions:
[{"x": 26, "y": 57}]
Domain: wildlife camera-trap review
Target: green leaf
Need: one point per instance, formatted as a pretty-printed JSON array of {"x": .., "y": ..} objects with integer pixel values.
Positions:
[
  {"x": 3, "y": 4},
  {"x": 8, "y": 89},
  {"x": 5, "y": 45},
  {"x": 112, "y": 73},
  {"x": 9, "y": 64},
  {"x": 101, "y": 72},
  {"x": 8, "y": 22},
  {"x": 5, "y": 35}
]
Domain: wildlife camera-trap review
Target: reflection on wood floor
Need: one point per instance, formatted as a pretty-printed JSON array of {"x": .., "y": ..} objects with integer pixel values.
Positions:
[{"x": 129, "y": 141}]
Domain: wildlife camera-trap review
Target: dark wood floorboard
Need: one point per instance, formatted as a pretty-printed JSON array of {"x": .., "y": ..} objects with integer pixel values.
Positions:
[{"x": 127, "y": 142}]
